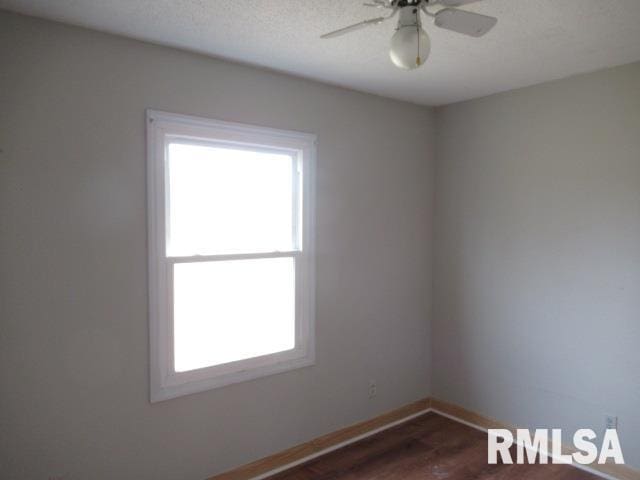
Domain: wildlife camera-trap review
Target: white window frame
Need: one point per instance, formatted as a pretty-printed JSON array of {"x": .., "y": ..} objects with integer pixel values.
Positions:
[{"x": 162, "y": 127}]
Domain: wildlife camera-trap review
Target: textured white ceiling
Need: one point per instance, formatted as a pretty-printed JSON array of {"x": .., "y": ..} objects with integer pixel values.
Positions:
[{"x": 534, "y": 41}]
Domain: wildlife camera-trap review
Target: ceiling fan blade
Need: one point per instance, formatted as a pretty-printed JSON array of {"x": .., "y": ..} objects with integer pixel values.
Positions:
[
  {"x": 456, "y": 3},
  {"x": 353, "y": 28},
  {"x": 467, "y": 23}
]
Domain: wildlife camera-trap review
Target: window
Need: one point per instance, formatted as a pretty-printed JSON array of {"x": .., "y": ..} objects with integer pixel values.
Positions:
[{"x": 231, "y": 266}]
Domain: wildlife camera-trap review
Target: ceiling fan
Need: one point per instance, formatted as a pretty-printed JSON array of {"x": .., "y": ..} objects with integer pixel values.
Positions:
[{"x": 410, "y": 45}]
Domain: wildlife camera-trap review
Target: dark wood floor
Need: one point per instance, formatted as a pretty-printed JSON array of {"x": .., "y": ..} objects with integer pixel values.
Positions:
[{"x": 430, "y": 447}]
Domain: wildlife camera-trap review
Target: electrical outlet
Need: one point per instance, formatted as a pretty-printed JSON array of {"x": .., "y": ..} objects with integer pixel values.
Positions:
[
  {"x": 611, "y": 422},
  {"x": 373, "y": 388}
]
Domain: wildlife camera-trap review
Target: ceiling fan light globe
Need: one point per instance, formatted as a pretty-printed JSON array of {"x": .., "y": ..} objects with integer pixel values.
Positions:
[{"x": 410, "y": 47}]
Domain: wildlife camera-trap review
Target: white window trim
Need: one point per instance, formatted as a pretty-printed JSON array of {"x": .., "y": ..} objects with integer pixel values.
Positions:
[{"x": 165, "y": 383}]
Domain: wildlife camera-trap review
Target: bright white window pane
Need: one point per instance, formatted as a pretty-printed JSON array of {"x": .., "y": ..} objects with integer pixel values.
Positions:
[
  {"x": 224, "y": 200},
  {"x": 232, "y": 310}
]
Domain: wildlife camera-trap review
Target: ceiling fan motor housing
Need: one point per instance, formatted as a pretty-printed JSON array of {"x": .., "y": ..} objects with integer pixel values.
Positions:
[
  {"x": 409, "y": 3},
  {"x": 409, "y": 17}
]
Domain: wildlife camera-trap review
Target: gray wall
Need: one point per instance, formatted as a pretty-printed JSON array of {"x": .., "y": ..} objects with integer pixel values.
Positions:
[
  {"x": 537, "y": 275},
  {"x": 73, "y": 286},
  {"x": 537, "y": 257}
]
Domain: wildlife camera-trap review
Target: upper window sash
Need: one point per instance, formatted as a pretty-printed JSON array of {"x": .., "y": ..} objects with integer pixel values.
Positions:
[
  {"x": 228, "y": 199},
  {"x": 178, "y": 129}
]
